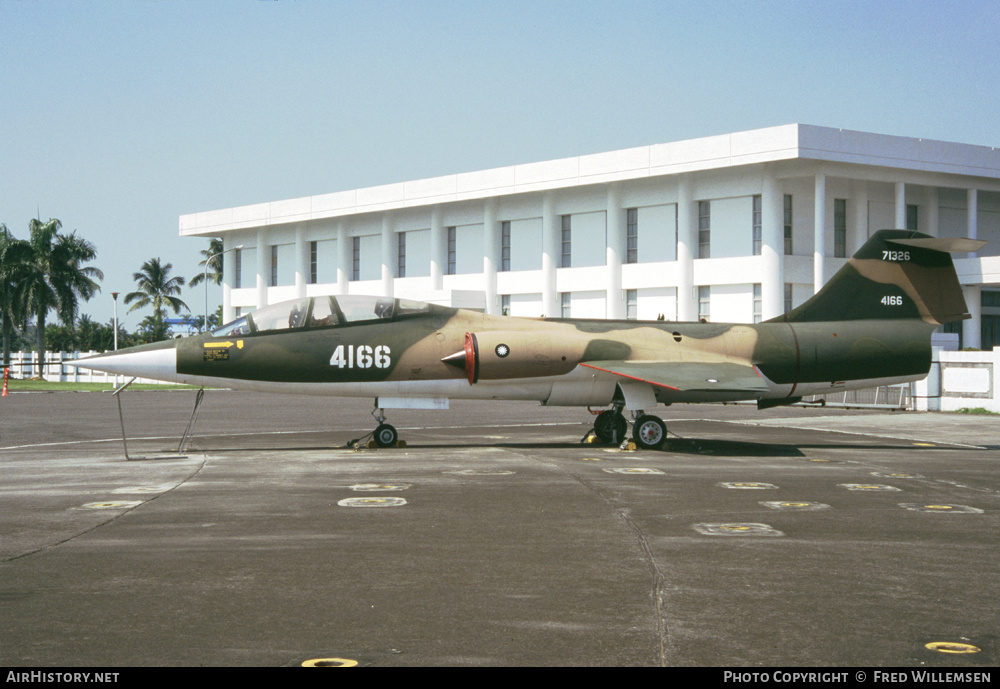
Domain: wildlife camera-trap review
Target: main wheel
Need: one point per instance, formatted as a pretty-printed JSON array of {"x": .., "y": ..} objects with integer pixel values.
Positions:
[
  {"x": 649, "y": 432},
  {"x": 386, "y": 436},
  {"x": 610, "y": 427}
]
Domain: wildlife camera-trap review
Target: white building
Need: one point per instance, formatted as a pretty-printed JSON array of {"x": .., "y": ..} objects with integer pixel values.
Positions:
[{"x": 733, "y": 228}]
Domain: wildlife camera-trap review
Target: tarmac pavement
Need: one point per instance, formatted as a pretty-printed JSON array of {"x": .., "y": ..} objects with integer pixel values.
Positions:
[{"x": 789, "y": 537}]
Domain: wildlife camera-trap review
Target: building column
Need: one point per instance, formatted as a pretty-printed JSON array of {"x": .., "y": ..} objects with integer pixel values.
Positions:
[
  {"x": 388, "y": 256},
  {"x": 343, "y": 257},
  {"x": 263, "y": 263},
  {"x": 687, "y": 247},
  {"x": 772, "y": 287},
  {"x": 931, "y": 225},
  {"x": 900, "y": 206},
  {"x": 614, "y": 303},
  {"x": 439, "y": 250},
  {"x": 972, "y": 328},
  {"x": 860, "y": 222},
  {"x": 819, "y": 233},
  {"x": 491, "y": 254},
  {"x": 228, "y": 279},
  {"x": 551, "y": 251},
  {"x": 972, "y": 215},
  {"x": 301, "y": 261}
]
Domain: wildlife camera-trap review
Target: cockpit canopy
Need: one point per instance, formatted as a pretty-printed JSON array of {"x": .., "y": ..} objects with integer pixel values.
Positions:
[{"x": 320, "y": 312}]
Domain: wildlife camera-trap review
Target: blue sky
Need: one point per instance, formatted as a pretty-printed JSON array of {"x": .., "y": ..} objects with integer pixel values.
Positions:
[{"x": 117, "y": 117}]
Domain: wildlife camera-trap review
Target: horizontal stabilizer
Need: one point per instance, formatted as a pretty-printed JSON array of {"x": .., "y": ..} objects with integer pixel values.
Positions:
[
  {"x": 687, "y": 376},
  {"x": 947, "y": 244}
]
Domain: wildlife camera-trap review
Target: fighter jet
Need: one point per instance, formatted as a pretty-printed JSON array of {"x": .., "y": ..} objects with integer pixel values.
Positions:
[{"x": 870, "y": 325}]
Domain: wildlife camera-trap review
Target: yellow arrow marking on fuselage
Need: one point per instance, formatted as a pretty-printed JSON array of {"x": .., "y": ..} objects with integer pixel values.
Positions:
[{"x": 238, "y": 343}]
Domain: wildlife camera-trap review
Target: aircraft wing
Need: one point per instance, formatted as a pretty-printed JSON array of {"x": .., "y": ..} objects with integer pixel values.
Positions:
[{"x": 685, "y": 376}]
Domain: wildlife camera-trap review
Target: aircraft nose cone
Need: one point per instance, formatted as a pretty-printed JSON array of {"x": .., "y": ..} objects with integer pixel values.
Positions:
[{"x": 157, "y": 361}]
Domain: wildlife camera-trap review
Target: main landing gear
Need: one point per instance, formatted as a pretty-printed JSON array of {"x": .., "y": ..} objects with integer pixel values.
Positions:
[{"x": 648, "y": 431}]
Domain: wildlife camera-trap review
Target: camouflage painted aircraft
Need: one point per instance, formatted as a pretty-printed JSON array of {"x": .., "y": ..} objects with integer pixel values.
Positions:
[{"x": 869, "y": 326}]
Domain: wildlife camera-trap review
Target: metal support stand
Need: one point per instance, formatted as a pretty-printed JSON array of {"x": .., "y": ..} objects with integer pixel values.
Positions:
[
  {"x": 121, "y": 417},
  {"x": 187, "y": 431}
]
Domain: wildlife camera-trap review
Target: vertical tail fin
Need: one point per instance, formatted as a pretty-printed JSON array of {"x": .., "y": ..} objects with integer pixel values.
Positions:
[{"x": 897, "y": 274}]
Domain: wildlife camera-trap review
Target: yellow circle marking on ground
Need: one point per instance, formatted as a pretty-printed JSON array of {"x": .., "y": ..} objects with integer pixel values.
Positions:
[
  {"x": 795, "y": 504},
  {"x": 735, "y": 528},
  {"x": 330, "y": 662},
  {"x": 939, "y": 507},
  {"x": 925, "y": 444},
  {"x": 951, "y": 647},
  {"x": 590, "y": 459}
]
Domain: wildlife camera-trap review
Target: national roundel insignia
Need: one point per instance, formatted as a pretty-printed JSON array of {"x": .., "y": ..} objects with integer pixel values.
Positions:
[{"x": 502, "y": 350}]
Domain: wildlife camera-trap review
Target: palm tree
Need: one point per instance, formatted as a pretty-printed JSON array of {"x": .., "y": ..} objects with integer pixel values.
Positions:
[
  {"x": 14, "y": 253},
  {"x": 156, "y": 287},
  {"x": 213, "y": 257},
  {"x": 53, "y": 276}
]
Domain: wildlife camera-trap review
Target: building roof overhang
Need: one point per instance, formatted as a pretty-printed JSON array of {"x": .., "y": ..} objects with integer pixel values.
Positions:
[{"x": 758, "y": 146}]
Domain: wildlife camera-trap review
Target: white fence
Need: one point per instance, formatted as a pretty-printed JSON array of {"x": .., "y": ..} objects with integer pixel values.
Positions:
[
  {"x": 25, "y": 365},
  {"x": 960, "y": 380}
]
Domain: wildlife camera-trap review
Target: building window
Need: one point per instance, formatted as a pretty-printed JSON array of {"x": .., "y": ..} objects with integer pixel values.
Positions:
[
  {"x": 631, "y": 304},
  {"x": 452, "y": 251},
  {"x": 704, "y": 229},
  {"x": 788, "y": 224},
  {"x": 505, "y": 246},
  {"x": 704, "y": 303},
  {"x": 758, "y": 301},
  {"x": 758, "y": 230},
  {"x": 274, "y": 265},
  {"x": 565, "y": 299},
  {"x": 788, "y": 297},
  {"x": 313, "y": 267},
  {"x": 238, "y": 269},
  {"x": 840, "y": 228},
  {"x": 632, "y": 235},
  {"x": 567, "y": 244},
  {"x": 504, "y": 304},
  {"x": 911, "y": 217},
  {"x": 401, "y": 255},
  {"x": 356, "y": 259}
]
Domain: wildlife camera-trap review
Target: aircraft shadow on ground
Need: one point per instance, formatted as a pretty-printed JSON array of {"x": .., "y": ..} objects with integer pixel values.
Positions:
[{"x": 689, "y": 446}]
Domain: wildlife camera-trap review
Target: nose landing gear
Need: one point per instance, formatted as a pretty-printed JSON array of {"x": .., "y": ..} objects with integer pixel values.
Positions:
[{"x": 384, "y": 435}]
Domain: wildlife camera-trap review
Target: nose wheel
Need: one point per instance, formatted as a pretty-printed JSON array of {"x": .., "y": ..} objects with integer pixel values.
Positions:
[{"x": 386, "y": 435}]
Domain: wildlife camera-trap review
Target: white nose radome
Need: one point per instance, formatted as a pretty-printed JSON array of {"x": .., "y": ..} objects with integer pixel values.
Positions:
[{"x": 159, "y": 363}]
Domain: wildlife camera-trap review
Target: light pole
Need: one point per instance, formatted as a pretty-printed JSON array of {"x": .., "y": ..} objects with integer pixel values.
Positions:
[
  {"x": 115, "y": 295},
  {"x": 205, "y": 279}
]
